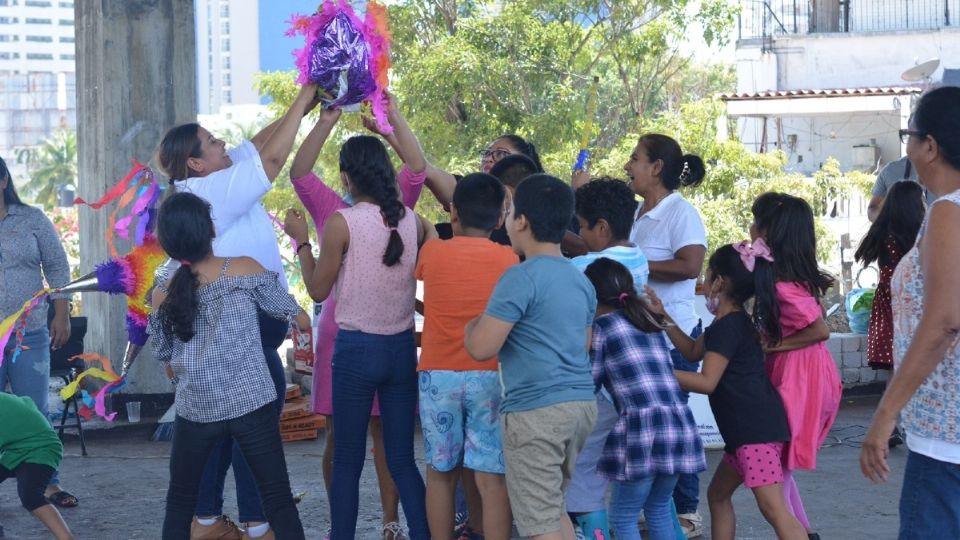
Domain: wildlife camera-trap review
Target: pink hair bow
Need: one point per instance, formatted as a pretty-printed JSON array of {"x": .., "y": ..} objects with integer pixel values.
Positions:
[{"x": 749, "y": 253}]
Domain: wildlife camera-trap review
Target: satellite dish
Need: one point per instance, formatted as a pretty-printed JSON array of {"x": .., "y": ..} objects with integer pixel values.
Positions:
[{"x": 921, "y": 72}]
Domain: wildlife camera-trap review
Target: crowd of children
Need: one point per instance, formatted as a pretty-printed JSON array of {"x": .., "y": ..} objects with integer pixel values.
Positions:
[{"x": 543, "y": 382}]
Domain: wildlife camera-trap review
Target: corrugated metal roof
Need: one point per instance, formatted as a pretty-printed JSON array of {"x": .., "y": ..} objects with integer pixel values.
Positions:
[{"x": 838, "y": 92}]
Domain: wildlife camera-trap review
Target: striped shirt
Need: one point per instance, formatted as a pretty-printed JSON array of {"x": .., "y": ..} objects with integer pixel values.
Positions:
[
  {"x": 630, "y": 256},
  {"x": 30, "y": 253},
  {"x": 656, "y": 433}
]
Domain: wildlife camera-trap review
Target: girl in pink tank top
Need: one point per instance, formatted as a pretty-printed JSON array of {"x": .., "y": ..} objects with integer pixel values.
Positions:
[{"x": 368, "y": 252}]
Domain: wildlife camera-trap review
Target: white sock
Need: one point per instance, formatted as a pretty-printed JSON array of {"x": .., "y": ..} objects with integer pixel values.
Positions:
[
  {"x": 258, "y": 530},
  {"x": 206, "y": 522}
]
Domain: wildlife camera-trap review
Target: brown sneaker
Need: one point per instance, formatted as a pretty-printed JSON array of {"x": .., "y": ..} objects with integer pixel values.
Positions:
[
  {"x": 266, "y": 536},
  {"x": 222, "y": 529}
]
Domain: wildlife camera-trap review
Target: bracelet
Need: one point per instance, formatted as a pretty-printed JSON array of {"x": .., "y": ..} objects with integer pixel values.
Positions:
[
  {"x": 174, "y": 380},
  {"x": 301, "y": 246}
]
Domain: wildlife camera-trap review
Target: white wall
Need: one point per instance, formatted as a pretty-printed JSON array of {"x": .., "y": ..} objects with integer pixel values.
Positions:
[
  {"x": 826, "y": 61},
  {"x": 821, "y": 137}
]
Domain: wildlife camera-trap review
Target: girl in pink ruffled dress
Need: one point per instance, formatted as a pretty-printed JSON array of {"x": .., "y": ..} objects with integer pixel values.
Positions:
[{"x": 799, "y": 365}]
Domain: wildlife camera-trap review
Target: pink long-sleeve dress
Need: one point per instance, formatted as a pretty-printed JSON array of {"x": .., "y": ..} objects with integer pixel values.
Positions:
[{"x": 321, "y": 202}]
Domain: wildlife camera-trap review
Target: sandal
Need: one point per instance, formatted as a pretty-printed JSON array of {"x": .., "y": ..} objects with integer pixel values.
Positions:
[
  {"x": 63, "y": 499},
  {"x": 393, "y": 531}
]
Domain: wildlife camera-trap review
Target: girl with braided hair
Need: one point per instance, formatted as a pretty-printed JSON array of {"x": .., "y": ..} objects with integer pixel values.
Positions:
[{"x": 368, "y": 252}]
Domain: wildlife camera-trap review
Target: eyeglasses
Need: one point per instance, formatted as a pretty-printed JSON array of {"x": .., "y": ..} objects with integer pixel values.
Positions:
[
  {"x": 905, "y": 135},
  {"x": 495, "y": 154}
]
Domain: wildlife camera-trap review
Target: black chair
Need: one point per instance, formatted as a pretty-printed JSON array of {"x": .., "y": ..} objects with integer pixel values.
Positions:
[{"x": 62, "y": 367}]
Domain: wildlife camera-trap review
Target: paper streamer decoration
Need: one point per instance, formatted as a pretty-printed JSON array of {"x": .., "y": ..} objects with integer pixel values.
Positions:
[
  {"x": 10, "y": 327},
  {"x": 139, "y": 187},
  {"x": 348, "y": 58},
  {"x": 94, "y": 403},
  {"x": 592, "y": 102}
]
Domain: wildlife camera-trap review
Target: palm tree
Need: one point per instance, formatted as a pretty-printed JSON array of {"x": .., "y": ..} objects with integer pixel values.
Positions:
[{"x": 56, "y": 165}]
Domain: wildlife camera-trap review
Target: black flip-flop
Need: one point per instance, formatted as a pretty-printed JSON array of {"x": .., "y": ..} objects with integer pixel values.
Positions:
[{"x": 63, "y": 499}]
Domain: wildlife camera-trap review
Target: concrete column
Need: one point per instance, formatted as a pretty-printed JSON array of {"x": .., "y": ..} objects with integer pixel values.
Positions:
[{"x": 136, "y": 77}]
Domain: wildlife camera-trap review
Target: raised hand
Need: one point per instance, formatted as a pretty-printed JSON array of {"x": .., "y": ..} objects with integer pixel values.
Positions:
[{"x": 295, "y": 225}]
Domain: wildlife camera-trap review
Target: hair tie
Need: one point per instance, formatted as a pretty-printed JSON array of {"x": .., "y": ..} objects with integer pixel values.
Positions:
[
  {"x": 749, "y": 253},
  {"x": 623, "y": 296},
  {"x": 685, "y": 173},
  {"x": 393, "y": 229},
  {"x": 185, "y": 262}
]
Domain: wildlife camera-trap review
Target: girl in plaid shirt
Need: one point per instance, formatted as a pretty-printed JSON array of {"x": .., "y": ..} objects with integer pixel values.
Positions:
[{"x": 655, "y": 438}]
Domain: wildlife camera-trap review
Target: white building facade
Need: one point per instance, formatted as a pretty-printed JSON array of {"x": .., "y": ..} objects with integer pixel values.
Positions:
[
  {"x": 228, "y": 53},
  {"x": 822, "y": 79}
]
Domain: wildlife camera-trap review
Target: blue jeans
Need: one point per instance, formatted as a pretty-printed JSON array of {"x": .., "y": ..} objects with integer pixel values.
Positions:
[
  {"x": 258, "y": 434},
  {"x": 930, "y": 499},
  {"x": 687, "y": 493},
  {"x": 30, "y": 375},
  {"x": 652, "y": 495},
  {"x": 227, "y": 451},
  {"x": 364, "y": 364}
]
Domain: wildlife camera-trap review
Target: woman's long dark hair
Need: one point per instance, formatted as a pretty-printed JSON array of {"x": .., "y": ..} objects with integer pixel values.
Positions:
[
  {"x": 178, "y": 145},
  {"x": 526, "y": 148},
  {"x": 787, "y": 224},
  {"x": 614, "y": 285},
  {"x": 10, "y": 196},
  {"x": 743, "y": 285},
  {"x": 365, "y": 161},
  {"x": 899, "y": 220},
  {"x": 185, "y": 231}
]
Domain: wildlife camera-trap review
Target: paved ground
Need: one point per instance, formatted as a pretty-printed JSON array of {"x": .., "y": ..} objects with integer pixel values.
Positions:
[{"x": 122, "y": 484}]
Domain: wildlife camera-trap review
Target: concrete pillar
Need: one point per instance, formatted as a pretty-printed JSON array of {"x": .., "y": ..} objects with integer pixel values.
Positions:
[{"x": 136, "y": 77}]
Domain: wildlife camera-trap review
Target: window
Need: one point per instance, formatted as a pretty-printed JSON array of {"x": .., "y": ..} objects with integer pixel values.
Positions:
[
  {"x": 9, "y": 20},
  {"x": 66, "y": 22},
  {"x": 32, "y": 20},
  {"x": 9, "y": 2},
  {"x": 224, "y": 9},
  {"x": 67, "y": 39},
  {"x": 227, "y": 96},
  {"x": 37, "y": 3},
  {"x": 225, "y": 44},
  {"x": 68, "y": 5},
  {"x": 40, "y": 39},
  {"x": 9, "y": 37},
  {"x": 226, "y": 79},
  {"x": 9, "y": 56},
  {"x": 39, "y": 56},
  {"x": 224, "y": 27},
  {"x": 68, "y": 57}
]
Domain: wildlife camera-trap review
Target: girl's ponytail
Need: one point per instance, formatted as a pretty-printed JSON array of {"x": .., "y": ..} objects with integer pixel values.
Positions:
[
  {"x": 614, "y": 286},
  {"x": 766, "y": 308},
  {"x": 365, "y": 161},
  {"x": 179, "y": 310},
  {"x": 185, "y": 231}
]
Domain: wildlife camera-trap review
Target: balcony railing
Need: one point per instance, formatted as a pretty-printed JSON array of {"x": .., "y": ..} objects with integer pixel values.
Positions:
[{"x": 770, "y": 18}]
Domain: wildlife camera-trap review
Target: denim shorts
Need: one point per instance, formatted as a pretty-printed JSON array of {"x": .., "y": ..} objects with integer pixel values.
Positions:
[{"x": 460, "y": 420}]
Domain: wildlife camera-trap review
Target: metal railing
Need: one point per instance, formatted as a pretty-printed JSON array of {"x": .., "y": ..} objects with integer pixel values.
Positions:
[{"x": 770, "y": 18}]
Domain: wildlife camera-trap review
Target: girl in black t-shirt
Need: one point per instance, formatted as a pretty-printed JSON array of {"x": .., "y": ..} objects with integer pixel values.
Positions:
[{"x": 748, "y": 409}]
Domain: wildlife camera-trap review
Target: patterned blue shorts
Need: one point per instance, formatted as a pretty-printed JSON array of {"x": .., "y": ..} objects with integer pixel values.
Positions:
[{"x": 459, "y": 413}]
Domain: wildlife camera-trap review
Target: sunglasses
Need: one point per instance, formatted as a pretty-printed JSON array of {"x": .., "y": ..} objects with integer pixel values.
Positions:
[{"x": 905, "y": 135}]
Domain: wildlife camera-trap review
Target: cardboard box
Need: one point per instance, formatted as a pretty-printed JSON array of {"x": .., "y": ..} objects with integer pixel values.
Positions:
[
  {"x": 295, "y": 408},
  {"x": 293, "y": 392},
  {"x": 307, "y": 422},
  {"x": 303, "y": 435},
  {"x": 303, "y": 351}
]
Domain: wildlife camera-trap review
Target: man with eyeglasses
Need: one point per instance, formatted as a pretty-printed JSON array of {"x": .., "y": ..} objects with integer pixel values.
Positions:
[{"x": 891, "y": 173}]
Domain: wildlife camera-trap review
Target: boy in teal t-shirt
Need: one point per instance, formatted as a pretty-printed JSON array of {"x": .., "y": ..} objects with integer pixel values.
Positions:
[
  {"x": 538, "y": 321},
  {"x": 30, "y": 452}
]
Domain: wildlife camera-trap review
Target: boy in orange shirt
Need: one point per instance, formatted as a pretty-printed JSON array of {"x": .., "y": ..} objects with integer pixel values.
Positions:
[{"x": 459, "y": 397}]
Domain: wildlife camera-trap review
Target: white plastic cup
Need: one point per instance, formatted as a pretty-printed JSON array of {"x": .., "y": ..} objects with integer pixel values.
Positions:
[{"x": 133, "y": 411}]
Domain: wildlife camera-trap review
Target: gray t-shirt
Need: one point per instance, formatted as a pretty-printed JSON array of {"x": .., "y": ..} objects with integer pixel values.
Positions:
[{"x": 897, "y": 171}]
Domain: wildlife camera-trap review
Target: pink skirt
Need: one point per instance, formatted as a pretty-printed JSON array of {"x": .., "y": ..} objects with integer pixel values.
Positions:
[
  {"x": 810, "y": 386},
  {"x": 323, "y": 361}
]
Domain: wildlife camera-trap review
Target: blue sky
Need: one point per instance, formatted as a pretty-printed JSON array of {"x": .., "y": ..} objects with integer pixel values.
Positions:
[{"x": 275, "y": 48}]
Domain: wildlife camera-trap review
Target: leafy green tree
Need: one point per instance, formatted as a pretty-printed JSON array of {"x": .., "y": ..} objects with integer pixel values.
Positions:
[{"x": 54, "y": 164}]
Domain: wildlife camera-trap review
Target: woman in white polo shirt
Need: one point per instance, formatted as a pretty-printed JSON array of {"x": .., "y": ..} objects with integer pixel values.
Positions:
[
  {"x": 233, "y": 183},
  {"x": 669, "y": 231}
]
